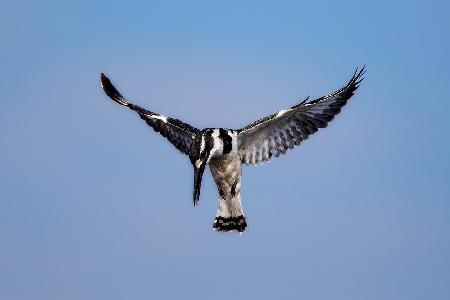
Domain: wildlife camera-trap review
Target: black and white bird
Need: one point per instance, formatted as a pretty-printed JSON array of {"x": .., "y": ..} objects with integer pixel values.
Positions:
[{"x": 225, "y": 150}]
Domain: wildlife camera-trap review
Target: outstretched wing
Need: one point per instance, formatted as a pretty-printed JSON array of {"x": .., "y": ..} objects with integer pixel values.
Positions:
[
  {"x": 178, "y": 133},
  {"x": 275, "y": 134}
]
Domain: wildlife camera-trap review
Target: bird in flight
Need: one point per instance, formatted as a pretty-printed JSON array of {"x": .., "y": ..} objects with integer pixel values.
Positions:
[{"x": 226, "y": 150}]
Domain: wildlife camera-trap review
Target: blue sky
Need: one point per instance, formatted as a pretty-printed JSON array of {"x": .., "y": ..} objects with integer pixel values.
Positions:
[{"x": 95, "y": 205}]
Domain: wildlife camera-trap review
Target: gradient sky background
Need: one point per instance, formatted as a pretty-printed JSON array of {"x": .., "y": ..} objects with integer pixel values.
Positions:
[{"x": 95, "y": 205}]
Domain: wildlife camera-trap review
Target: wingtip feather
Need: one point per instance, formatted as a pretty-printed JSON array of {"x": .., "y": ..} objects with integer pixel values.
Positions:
[
  {"x": 111, "y": 91},
  {"x": 357, "y": 77}
]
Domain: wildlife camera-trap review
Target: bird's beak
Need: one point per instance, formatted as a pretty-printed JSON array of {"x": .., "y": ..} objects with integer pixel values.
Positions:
[{"x": 198, "y": 174}]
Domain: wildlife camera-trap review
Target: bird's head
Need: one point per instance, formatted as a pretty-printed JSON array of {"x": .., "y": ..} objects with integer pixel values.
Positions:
[{"x": 202, "y": 149}]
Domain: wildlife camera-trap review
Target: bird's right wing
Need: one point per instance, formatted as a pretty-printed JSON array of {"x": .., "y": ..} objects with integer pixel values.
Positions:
[
  {"x": 178, "y": 133},
  {"x": 275, "y": 134}
]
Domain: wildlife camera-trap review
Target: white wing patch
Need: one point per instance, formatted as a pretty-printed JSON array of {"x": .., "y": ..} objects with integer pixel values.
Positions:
[
  {"x": 282, "y": 112},
  {"x": 159, "y": 117}
]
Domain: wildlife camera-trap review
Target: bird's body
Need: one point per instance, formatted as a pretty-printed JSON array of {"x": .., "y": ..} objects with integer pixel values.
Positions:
[
  {"x": 225, "y": 150},
  {"x": 225, "y": 165},
  {"x": 226, "y": 171}
]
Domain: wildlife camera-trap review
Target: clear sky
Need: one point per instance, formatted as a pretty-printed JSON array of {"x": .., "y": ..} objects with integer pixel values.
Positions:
[{"x": 95, "y": 205}]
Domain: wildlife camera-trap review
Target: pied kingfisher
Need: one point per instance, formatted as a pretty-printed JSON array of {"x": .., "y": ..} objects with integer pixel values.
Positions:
[{"x": 225, "y": 150}]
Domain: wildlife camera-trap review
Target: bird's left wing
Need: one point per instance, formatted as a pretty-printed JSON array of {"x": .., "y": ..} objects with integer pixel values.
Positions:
[
  {"x": 178, "y": 133},
  {"x": 275, "y": 134}
]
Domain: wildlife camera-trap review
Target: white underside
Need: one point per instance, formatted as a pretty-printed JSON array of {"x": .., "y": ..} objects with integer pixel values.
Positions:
[{"x": 229, "y": 208}]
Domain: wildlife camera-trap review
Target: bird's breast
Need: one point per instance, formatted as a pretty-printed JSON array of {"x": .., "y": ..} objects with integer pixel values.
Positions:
[{"x": 226, "y": 171}]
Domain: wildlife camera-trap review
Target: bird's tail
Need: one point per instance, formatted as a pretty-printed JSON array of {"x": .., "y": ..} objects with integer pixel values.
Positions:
[{"x": 230, "y": 216}]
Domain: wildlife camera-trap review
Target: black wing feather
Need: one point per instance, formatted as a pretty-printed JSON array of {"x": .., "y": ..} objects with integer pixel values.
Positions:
[{"x": 178, "y": 133}]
